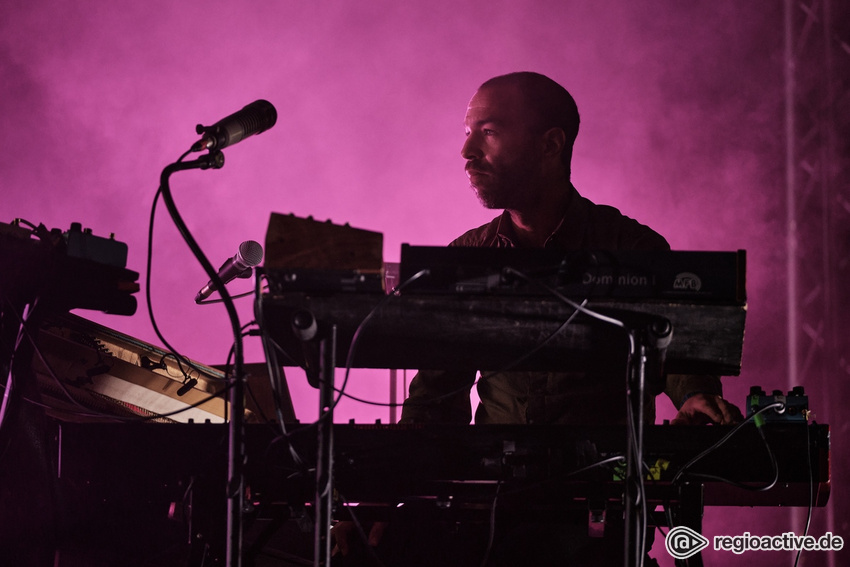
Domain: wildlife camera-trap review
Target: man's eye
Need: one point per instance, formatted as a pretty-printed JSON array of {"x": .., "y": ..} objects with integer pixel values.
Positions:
[{"x": 488, "y": 132}]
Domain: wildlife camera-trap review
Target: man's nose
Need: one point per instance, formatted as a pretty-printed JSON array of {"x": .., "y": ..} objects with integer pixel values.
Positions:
[{"x": 471, "y": 149}]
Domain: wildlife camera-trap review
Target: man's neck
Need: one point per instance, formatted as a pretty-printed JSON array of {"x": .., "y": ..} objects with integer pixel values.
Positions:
[{"x": 534, "y": 225}]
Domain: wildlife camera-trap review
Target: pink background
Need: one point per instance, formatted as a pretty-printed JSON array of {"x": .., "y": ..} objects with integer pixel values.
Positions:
[{"x": 681, "y": 106}]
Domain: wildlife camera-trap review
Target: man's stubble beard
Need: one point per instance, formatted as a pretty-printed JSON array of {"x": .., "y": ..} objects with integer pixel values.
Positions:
[
  {"x": 504, "y": 191},
  {"x": 490, "y": 199}
]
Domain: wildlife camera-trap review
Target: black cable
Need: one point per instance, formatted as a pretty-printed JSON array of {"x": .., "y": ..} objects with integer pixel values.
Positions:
[
  {"x": 7, "y": 394},
  {"x": 491, "y": 535},
  {"x": 148, "y": 265},
  {"x": 811, "y": 489},
  {"x": 542, "y": 344},
  {"x": 238, "y": 296},
  {"x": 640, "y": 501},
  {"x": 396, "y": 291},
  {"x": 277, "y": 347},
  {"x": 617, "y": 458},
  {"x": 231, "y": 353},
  {"x": 482, "y": 375},
  {"x": 358, "y": 331},
  {"x": 235, "y": 467},
  {"x": 186, "y": 374},
  {"x": 636, "y": 448},
  {"x": 554, "y": 292},
  {"x": 579, "y": 308},
  {"x": 533, "y": 486},
  {"x": 684, "y": 469},
  {"x": 270, "y": 348},
  {"x": 246, "y": 332}
]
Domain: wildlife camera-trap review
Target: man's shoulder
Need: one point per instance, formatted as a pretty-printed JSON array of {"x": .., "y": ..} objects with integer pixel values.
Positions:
[
  {"x": 586, "y": 225},
  {"x": 484, "y": 235},
  {"x": 607, "y": 227}
]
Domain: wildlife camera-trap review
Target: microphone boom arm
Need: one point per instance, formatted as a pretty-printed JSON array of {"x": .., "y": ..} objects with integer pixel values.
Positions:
[{"x": 236, "y": 428}]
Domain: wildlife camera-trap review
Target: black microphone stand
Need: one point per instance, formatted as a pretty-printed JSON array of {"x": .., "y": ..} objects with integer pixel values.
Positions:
[
  {"x": 649, "y": 337},
  {"x": 236, "y": 431}
]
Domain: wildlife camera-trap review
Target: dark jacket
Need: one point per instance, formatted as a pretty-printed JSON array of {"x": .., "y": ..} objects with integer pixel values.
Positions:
[{"x": 547, "y": 397}]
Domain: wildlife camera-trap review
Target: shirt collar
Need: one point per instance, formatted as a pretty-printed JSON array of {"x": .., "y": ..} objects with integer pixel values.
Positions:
[{"x": 507, "y": 236}]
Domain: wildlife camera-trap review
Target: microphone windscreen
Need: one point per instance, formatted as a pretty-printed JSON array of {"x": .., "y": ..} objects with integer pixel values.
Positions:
[{"x": 251, "y": 253}]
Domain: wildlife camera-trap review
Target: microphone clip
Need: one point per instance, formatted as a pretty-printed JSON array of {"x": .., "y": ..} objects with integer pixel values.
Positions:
[
  {"x": 215, "y": 158},
  {"x": 207, "y": 141}
]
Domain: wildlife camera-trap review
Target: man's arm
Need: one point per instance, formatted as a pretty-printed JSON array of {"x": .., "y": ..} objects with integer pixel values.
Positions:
[{"x": 439, "y": 396}]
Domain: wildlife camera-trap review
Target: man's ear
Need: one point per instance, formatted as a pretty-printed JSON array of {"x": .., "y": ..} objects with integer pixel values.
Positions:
[{"x": 554, "y": 141}]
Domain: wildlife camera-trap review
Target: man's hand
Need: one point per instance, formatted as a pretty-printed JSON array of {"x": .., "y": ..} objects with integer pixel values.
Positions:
[
  {"x": 701, "y": 409},
  {"x": 343, "y": 532}
]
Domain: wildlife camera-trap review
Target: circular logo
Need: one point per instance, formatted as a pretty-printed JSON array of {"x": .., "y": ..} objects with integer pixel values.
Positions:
[{"x": 683, "y": 542}]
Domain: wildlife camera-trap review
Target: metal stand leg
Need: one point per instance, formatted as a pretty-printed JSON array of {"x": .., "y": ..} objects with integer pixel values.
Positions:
[
  {"x": 634, "y": 460},
  {"x": 324, "y": 464},
  {"x": 690, "y": 514},
  {"x": 650, "y": 337},
  {"x": 235, "y": 474}
]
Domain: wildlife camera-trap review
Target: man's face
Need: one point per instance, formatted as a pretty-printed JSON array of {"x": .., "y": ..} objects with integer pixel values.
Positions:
[{"x": 502, "y": 154}]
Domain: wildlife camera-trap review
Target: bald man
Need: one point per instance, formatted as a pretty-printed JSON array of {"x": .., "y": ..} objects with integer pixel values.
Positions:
[{"x": 520, "y": 130}]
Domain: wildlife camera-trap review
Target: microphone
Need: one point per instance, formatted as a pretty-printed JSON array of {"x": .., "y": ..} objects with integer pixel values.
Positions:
[
  {"x": 255, "y": 118},
  {"x": 250, "y": 254}
]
